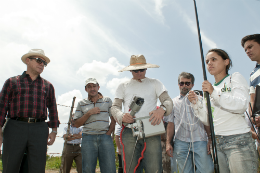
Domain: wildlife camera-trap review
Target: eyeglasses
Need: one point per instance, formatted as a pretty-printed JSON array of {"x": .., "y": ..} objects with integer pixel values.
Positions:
[
  {"x": 186, "y": 83},
  {"x": 141, "y": 70},
  {"x": 39, "y": 60}
]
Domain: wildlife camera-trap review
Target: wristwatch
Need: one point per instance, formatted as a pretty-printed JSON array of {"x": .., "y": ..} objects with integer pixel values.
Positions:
[
  {"x": 164, "y": 108},
  {"x": 54, "y": 131}
]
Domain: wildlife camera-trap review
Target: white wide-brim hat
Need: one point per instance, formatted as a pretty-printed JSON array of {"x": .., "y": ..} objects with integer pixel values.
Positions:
[
  {"x": 138, "y": 62},
  {"x": 35, "y": 52}
]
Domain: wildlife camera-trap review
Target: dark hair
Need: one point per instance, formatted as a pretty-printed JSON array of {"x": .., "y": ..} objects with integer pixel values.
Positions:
[
  {"x": 224, "y": 55},
  {"x": 187, "y": 76},
  {"x": 254, "y": 37}
]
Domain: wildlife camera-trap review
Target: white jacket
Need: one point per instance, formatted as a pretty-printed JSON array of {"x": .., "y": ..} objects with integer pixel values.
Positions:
[{"x": 229, "y": 101}]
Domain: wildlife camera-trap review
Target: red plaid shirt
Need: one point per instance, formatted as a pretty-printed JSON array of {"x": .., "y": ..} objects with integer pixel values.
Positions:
[{"x": 23, "y": 97}]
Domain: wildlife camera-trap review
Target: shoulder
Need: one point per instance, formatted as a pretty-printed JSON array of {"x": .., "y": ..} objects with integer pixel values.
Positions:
[
  {"x": 84, "y": 102},
  {"x": 153, "y": 80},
  {"x": 106, "y": 99},
  {"x": 237, "y": 77},
  {"x": 46, "y": 82},
  {"x": 12, "y": 81},
  {"x": 125, "y": 83},
  {"x": 176, "y": 99}
]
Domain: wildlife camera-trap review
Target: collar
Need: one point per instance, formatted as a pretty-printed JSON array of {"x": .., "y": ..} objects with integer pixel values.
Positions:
[
  {"x": 100, "y": 96},
  {"x": 216, "y": 84},
  {"x": 180, "y": 96},
  {"x": 145, "y": 78},
  {"x": 27, "y": 75},
  {"x": 257, "y": 65}
]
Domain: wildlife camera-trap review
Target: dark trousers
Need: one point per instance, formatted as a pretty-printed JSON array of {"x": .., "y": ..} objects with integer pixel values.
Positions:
[
  {"x": 73, "y": 152},
  {"x": 19, "y": 136}
]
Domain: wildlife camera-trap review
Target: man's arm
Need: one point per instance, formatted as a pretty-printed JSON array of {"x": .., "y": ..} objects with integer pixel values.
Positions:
[
  {"x": 80, "y": 121},
  {"x": 170, "y": 133},
  {"x": 71, "y": 137},
  {"x": 52, "y": 136},
  {"x": 53, "y": 116},
  {"x": 118, "y": 115},
  {"x": 4, "y": 106},
  {"x": 156, "y": 115},
  {"x": 256, "y": 121},
  {"x": 251, "y": 103},
  {"x": 207, "y": 129},
  {"x": 118, "y": 144},
  {"x": 112, "y": 126}
]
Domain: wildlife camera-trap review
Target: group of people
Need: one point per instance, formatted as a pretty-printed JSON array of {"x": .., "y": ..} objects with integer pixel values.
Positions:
[{"x": 24, "y": 100}]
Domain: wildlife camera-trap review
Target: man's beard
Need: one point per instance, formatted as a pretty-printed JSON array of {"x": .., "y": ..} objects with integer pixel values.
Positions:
[{"x": 184, "y": 91}]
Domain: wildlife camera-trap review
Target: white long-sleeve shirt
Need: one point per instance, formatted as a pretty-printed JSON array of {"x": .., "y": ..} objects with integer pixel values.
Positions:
[{"x": 229, "y": 101}]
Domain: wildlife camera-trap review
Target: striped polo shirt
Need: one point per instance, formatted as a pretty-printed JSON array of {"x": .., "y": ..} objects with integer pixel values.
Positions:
[
  {"x": 254, "y": 78},
  {"x": 96, "y": 123}
]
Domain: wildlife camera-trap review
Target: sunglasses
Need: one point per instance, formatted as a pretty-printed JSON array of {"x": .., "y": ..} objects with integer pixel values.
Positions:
[
  {"x": 141, "y": 70},
  {"x": 186, "y": 83},
  {"x": 39, "y": 60}
]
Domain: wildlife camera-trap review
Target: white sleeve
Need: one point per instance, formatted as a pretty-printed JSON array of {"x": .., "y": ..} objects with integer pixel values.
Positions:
[
  {"x": 252, "y": 90},
  {"x": 120, "y": 92},
  {"x": 200, "y": 110},
  {"x": 118, "y": 129},
  {"x": 65, "y": 130},
  {"x": 171, "y": 115},
  {"x": 78, "y": 112},
  {"x": 237, "y": 101},
  {"x": 159, "y": 87}
]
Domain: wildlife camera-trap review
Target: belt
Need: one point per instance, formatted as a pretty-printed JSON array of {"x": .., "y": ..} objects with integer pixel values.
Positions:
[
  {"x": 73, "y": 144},
  {"x": 29, "y": 119}
]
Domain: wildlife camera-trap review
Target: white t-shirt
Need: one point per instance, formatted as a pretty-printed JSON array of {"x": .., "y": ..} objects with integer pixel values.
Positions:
[
  {"x": 229, "y": 101},
  {"x": 149, "y": 89}
]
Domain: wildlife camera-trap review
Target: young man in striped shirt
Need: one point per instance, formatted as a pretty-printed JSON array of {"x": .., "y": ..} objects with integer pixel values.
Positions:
[
  {"x": 93, "y": 114},
  {"x": 251, "y": 45}
]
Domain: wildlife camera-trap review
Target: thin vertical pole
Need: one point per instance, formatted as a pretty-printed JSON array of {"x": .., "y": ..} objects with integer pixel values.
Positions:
[
  {"x": 214, "y": 148},
  {"x": 66, "y": 139}
]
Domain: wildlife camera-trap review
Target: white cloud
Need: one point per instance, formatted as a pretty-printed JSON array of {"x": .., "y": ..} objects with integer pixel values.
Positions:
[
  {"x": 193, "y": 27},
  {"x": 66, "y": 99},
  {"x": 153, "y": 9},
  {"x": 158, "y": 9},
  {"x": 100, "y": 70},
  {"x": 113, "y": 84}
]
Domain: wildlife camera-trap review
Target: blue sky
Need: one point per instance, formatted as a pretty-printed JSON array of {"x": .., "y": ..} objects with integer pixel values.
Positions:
[{"x": 87, "y": 38}]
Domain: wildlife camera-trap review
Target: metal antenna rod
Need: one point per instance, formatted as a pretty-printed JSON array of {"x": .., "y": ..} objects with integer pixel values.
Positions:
[{"x": 214, "y": 148}]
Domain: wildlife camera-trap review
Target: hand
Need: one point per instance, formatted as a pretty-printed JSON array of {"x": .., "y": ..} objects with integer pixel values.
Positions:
[
  {"x": 254, "y": 136},
  {"x": 119, "y": 151},
  {"x": 169, "y": 149},
  {"x": 94, "y": 110},
  {"x": 51, "y": 138},
  {"x": 108, "y": 133},
  {"x": 127, "y": 118},
  {"x": 207, "y": 87},
  {"x": 257, "y": 121},
  {"x": 209, "y": 146},
  {"x": 156, "y": 116},
  {"x": 193, "y": 97}
]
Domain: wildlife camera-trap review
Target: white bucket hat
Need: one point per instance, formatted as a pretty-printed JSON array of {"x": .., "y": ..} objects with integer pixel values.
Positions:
[
  {"x": 35, "y": 52},
  {"x": 91, "y": 80},
  {"x": 138, "y": 62}
]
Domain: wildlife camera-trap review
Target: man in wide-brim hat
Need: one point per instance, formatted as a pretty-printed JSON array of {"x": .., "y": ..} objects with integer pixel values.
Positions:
[
  {"x": 149, "y": 89},
  {"x": 26, "y": 98}
]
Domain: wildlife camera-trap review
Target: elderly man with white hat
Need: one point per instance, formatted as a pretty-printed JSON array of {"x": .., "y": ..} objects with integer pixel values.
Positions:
[
  {"x": 24, "y": 100},
  {"x": 149, "y": 89},
  {"x": 93, "y": 114}
]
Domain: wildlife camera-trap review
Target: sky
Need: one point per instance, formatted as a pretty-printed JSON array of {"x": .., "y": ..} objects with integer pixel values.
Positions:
[{"x": 87, "y": 38}]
